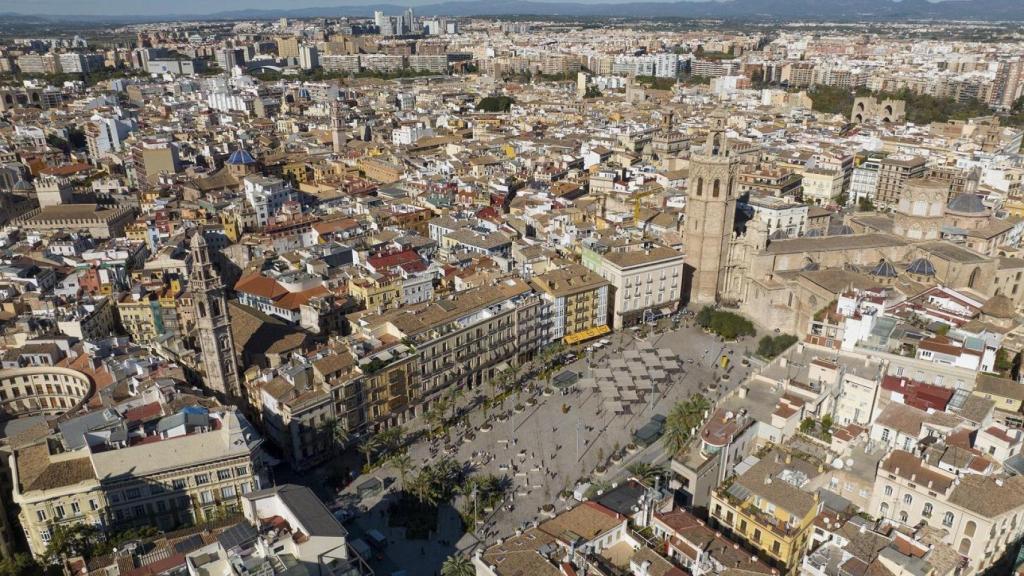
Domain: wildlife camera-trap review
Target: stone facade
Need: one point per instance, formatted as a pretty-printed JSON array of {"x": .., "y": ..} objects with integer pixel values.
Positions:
[{"x": 710, "y": 214}]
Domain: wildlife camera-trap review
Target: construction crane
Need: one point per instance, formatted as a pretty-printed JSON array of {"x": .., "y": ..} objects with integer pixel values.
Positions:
[{"x": 638, "y": 197}]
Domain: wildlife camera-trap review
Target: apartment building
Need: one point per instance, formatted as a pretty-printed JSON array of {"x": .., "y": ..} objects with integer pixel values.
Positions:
[
  {"x": 266, "y": 195},
  {"x": 578, "y": 300},
  {"x": 149, "y": 313},
  {"x": 725, "y": 439},
  {"x": 893, "y": 173},
  {"x": 979, "y": 515},
  {"x": 110, "y": 471},
  {"x": 768, "y": 508},
  {"x": 465, "y": 339},
  {"x": 646, "y": 281}
]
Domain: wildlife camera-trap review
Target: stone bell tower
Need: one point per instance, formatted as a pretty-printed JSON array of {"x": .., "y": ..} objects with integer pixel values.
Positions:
[
  {"x": 710, "y": 213},
  {"x": 212, "y": 322}
]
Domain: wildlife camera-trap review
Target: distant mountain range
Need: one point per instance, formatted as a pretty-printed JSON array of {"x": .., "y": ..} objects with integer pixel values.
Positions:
[{"x": 739, "y": 10}]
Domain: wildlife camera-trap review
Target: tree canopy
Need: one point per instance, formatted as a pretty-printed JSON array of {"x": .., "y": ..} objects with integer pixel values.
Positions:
[
  {"x": 772, "y": 346},
  {"x": 495, "y": 104},
  {"x": 726, "y": 324}
]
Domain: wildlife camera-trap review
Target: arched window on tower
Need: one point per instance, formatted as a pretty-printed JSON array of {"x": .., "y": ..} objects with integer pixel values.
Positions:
[
  {"x": 716, "y": 144},
  {"x": 700, "y": 186},
  {"x": 202, "y": 310},
  {"x": 715, "y": 190}
]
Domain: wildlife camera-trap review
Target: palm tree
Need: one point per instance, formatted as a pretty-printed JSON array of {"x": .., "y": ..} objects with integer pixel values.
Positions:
[
  {"x": 677, "y": 428},
  {"x": 457, "y": 565},
  {"x": 435, "y": 416},
  {"x": 425, "y": 487},
  {"x": 369, "y": 447},
  {"x": 403, "y": 463},
  {"x": 646, "y": 472},
  {"x": 391, "y": 439},
  {"x": 340, "y": 433}
]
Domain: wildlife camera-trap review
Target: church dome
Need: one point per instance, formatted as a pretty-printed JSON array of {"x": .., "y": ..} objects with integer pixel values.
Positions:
[
  {"x": 240, "y": 157},
  {"x": 967, "y": 204},
  {"x": 884, "y": 269},
  {"x": 779, "y": 234},
  {"x": 814, "y": 233},
  {"x": 22, "y": 186},
  {"x": 921, "y": 267},
  {"x": 842, "y": 230}
]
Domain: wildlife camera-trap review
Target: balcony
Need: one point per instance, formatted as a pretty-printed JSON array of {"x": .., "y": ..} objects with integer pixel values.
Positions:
[{"x": 770, "y": 522}]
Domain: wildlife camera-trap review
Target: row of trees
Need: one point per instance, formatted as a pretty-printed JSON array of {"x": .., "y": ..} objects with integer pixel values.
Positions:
[
  {"x": 726, "y": 324},
  {"x": 772, "y": 346}
]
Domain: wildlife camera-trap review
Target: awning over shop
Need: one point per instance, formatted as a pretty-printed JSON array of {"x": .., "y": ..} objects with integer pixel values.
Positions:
[{"x": 588, "y": 334}]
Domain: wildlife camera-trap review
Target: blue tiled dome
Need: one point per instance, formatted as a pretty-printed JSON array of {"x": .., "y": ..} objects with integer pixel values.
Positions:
[
  {"x": 241, "y": 156},
  {"x": 921, "y": 266},
  {"x": 884, "y": 269}
]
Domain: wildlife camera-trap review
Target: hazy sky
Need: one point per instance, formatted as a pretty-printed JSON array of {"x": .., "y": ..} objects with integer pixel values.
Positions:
[{"x": 150, "y": 7}]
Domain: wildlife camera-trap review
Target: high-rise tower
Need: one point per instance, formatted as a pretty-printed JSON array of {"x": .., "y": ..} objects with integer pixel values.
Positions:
[
  {"x": 710, "y": 213},
  {"x": 213, "y": 324}
]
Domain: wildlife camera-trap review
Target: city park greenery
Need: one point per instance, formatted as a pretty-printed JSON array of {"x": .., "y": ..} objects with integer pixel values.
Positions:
[
  {"x": 725, "y": 324},
  {"x": 495, "y": 104},
  {"x": 921, "y": 108}
]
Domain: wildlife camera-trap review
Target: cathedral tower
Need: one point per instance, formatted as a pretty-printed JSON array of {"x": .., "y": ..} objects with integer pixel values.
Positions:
[
  {"x": 710, "y": 213},
  {"x": 212, "y": 322},
  {"x": 338, "y": 126}
]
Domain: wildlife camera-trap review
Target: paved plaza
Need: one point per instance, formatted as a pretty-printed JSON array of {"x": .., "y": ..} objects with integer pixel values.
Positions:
[{"x": 558, "y": 440}]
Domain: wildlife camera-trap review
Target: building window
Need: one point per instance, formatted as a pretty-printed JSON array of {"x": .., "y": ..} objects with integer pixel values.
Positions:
[
  {"x": 927, "y": 512},
  {"x": 908, "y": 499},
  {"x": 58, "y": 511},
  {"x": 179, "y": 483},
  {"x": 206, "y": 497},
  {"x": 202, "y": 479},
  {"x": 227, "y": 492},
  {"x": 75, "y": 508},
  {"x": 44, "y": 535},
  {"x": 947, "y": 520},
  {"x": 885, "y": 434},
  {"x": 223, "y": 474},
  {"x": 41, "y": 515},
  {"x": 888, "y": 490}
]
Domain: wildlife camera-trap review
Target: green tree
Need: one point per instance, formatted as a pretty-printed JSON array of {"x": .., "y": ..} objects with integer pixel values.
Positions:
[
  {"x": 646, "y": 472},
  {"x": 67, "y": 541},
  {"x": 20, "y": 564},
  {"x": 457, "y": 565},
  {"x": 831, "y": 100},
  {"x": 495, "y": 104},
  {"x": 826, "y": 423},
  {"x": 704, "y": 316},
  {"x": 403, "y": 463},
  {"x": 807, "y": 425},
  {"x": 369, "y": 448},
  {"x": 865, "y": 205},
  {"x": 684, "y": 417}
]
